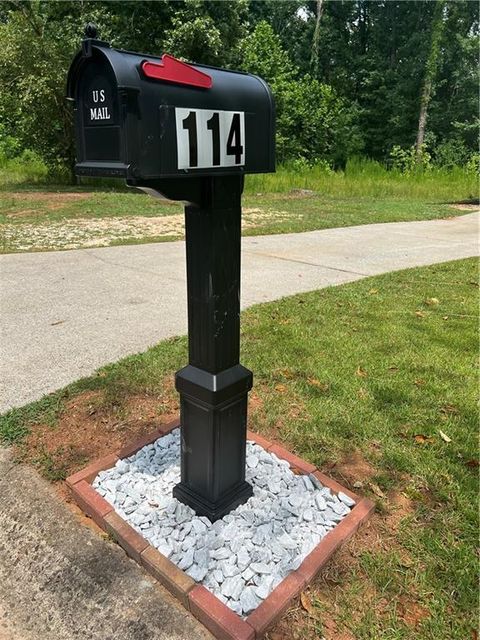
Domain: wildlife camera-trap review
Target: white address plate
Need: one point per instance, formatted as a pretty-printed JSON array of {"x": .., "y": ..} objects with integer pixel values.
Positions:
[{"x": 210, "y": 139}]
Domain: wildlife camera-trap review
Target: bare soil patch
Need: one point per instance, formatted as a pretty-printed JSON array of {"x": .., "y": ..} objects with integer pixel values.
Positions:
[
  {"x": 54, "y": 197},
  {"x": 466, "y": 207},
  {"x": 52, "y": 200},
  {"x": 353, "y": 471},
  {"x": 79, "y": 233},
  {"x": 89, "y": 427}
]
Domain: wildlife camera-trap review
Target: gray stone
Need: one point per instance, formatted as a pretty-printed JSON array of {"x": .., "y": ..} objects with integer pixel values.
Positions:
[
  {"x": 232, "y": 587},
  {"x": 235, "y": 606},
  {"x": 229, "y": 569},
  {"x": 296, "y": 562},
  {"x": 221, "y": 553},
  {"x": 182, "y": 513},
  {"x": 296, "y": 511},
  {"x": 188, "y": 542},
  {"x": 249, "y": 600},
  {"x": 264, "y": 555},
  {"x": 237, "y": 543},
  {"x": 215, "y": 542},
  {"x": 187, "y": 560},
  {"x": 339, "y": 508},
  {"x": 261, "y": 567},
  {"x": 308, "y": 483},
  {"x": 315, "y": 481},
  {"x": 165, "y": 548},
  {"x": 274, "y": 485},
  {"x": 295, "y": 500},
  {"x": 197, "y": 572},
  {"x": 230, "y": 531},
  {"x": 248, "y": 517},
  {"x": 248, "y": 574},
  {"x": 211, "y": 584},
  {"x": 327, "y": 494},
  {"x": 264, "y": 587},
  {"x": 218, "y": 575},
  {"x": 350, "y": 502},
  {"x": 199, "y": 526},
  {"x": 122, "y": 466},
  {"x": 243, "y": 559},
  {"x": 165, "y": 441},
  {"x": 277, "y": 550},
  {"x": 321, "y": 502},
  {"x": 202, "y": 557},
  {"x": 287, "y": 542},
  {"x": 337, "y": 517},
  {"x": 171, "y": 507},
  {"x": 308, "y": 515},
  {"x": 244, "y": 555}
]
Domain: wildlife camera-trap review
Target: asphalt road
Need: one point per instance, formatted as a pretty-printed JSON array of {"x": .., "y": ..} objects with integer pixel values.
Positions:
[{"x": 65, "y": 314}]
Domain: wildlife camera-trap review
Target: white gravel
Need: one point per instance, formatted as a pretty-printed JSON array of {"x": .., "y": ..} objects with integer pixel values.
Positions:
[{"x": 245, "y": 555}]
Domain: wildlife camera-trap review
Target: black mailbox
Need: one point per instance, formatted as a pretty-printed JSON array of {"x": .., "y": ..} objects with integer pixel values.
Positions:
[
  {"x": 190, "y": 133},
  {"x": 143, "y": 118}
]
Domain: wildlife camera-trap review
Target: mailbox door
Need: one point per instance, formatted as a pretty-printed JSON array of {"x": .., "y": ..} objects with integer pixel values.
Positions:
[{"x": 100, "y": 121}]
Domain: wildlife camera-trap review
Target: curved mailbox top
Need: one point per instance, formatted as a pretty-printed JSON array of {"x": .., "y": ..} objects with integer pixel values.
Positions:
[{"x": 143, "y": 117}]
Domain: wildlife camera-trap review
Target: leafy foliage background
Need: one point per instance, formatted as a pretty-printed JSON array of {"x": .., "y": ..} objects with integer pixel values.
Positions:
[{"x": 362, "y": 97}]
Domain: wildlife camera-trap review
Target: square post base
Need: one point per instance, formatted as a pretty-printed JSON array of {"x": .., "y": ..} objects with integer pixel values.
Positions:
[
  {"x": 213, "y": 419},
  {"x": 213, "y": 510}
]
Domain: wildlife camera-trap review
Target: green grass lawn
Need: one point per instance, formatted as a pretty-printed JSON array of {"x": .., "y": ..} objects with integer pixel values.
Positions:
[
  {"x": 36, "y": 218},
  {"x": 375, "y": 382}
]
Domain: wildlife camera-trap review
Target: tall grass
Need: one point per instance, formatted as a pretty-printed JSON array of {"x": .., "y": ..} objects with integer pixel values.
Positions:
[
  {"x": 26, "y": 168},
  {"x": 363, "y": 178}
]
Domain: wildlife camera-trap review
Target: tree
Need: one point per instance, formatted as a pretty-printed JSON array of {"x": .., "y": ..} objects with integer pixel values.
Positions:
[
  {"x": 313, "y": 122},
  {"x": 208, "y": 32},
  {"x": 351, "y": 70},
  {"x": 430, "y": 73},
  {"x": 453, "y": 111},
  {"x": 37, "y": 48},
  {"x": 38, "y": 41},
  {"x": 316, "y": 39}
]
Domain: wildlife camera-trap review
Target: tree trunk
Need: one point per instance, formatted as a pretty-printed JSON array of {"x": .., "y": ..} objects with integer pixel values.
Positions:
[
  {"x": 430, "y": 73},
  {"x": 316, "y": 40}
]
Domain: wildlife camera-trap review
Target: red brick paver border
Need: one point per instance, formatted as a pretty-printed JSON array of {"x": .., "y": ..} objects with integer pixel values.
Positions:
[
  {"x": 273, "y": 607},
  {"x": 90, "y": 473},
  {"x": 91, "y": 502},
  {"x": 168, "y": 574},
  {"x": 126, "y": 536},
  {"x": 216, "y": 616}
]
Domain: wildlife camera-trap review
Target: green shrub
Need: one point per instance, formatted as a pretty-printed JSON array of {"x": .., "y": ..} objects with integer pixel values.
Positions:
[
  {"x": 473, "y": 164},
  {"x": 10, "y": 147},
  {"x": 407, "y": 160},
  {"x": 451, "y": 153},
  {"x": 313, "y": 122},
  {"x": 27, "y": 167}
]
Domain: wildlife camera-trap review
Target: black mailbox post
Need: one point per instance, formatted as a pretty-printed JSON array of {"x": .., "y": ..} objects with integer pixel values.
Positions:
[{"x": 190, "y": 133}]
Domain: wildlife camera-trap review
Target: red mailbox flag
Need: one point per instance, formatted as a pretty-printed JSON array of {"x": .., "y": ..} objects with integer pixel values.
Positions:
[{"x": 176, "y": 71}]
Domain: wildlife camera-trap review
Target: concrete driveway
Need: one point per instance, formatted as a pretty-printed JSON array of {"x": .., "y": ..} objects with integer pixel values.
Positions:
[{"x": 65, "y": 314}]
